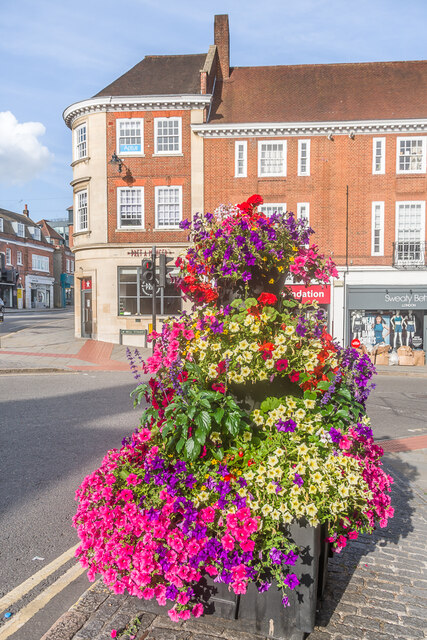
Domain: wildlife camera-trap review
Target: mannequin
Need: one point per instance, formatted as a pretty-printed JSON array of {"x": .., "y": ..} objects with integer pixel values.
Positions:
[
  {"x": 357, "y": 324},
  {"x": 397, "y": 324},
  {"x": 409, "y": 323},
  {"x": 378, "y": 327}
]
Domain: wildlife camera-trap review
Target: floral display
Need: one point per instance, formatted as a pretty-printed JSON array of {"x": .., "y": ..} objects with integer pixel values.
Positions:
[{"x": 254, "y": 418}]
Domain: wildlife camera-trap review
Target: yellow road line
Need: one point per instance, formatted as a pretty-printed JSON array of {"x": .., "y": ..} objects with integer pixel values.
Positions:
[
  {"x": 20, "y": 591},
  {"x": 40, "y": 601}
]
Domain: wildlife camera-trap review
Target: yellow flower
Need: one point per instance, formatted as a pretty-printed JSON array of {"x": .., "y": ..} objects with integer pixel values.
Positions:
[
  {"x": 247, "y": 436},
  {"x": 271, "y": 281}
]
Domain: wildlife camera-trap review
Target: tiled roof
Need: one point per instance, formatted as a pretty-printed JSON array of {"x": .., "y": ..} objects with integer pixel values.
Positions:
[
  {"x": 49, "y": 231},
  {"x": 159, "y": 75},
  {"x": 17, "y": 217},
  {"x": 322, "y": 93}
]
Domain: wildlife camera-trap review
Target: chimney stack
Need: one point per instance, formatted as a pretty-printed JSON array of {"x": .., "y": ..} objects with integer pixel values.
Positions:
[
  {"x": 26, "y": 212},
  {"x": 222, "y": 41}
]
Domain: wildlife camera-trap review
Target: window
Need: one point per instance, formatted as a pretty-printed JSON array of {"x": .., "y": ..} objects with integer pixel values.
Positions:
[
  {"x": 1, "y": 224},
  {"x": 272, "y": 207},
  {"x": 410, "y": 232},
  {"x": 19, "y": 258},
  {"x": 168, "y": 207},
  {"x": 21, "y": 230},
  {"x": 82, "y": 211},
  {"x": 68, "y": 266},
  {"x": 377, "y": 247},
  {"x": 271, "y": 159},
  {"x": 130, "y": 134},
  {"x": 8, "y": 256},
  {"x": 240, "y": 159},
  {"x": 40, "y": 263},
  {"x": 378, "y": 155},
  {"x": 36, "y": 233},
  {"x": 167, "y": 133},
  {"x": 303, "y": 211},
  {"x": 303, "y": 157},
  {"x": 130, "y": 207},
  {"x": 135, "y": 296},
  {"x": 71, "y": 266},
  {"x": 80, "y": 137},
  {"x": 411, "y": 155}
]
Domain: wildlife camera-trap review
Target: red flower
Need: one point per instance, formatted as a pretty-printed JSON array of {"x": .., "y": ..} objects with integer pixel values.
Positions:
[
  {"x": 266, "y": 346},
  {"x": 255, "y": 200},
  {"x": 220, "y": 367},
  {"x": 281, "y": 365},
  {"x": 218, "y": 387},
  {"x": 267, "y": 298},
  {"x": 294, "y": 376}
]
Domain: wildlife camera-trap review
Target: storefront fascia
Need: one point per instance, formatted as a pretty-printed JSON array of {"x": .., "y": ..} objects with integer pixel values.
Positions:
[
  {"x": 38, "y": 292},
  {"x": 402, "y": 312}
]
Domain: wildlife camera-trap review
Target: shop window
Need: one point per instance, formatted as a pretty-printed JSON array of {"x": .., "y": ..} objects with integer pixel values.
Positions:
[
  {"x": 82, "y": 210},
  {"x": 241, "y": 159},
  {"x": 40, "y": 263},
  {"x": 272, "y": 207},
  {"x": 271, "y": 159},
  {"x": 130, "y": 207},
  {"x": 410, "y": 233},
  {"x": 8, "y": 256},
  {"x": 411, "y": 155},
  {"x": 378, "y": 155},
  {"x": 135, "y": 296},
  {"x": 80, "y": 137},
  {"x": 19, "y": 258},
  {"x": 377, "y": 226},
  {"x": 168, "y": 207},
  {"x": 303, "y": 157},
  {"x": 130, "y": 132},
  {"x": 167, "y": 135}
]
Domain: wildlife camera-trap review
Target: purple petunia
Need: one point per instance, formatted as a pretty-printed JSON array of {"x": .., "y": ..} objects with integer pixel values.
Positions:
[
  {"x": 246, "y": 276},
  {"x": 298, "y": 480},
  {"x": 276, "y": 555},
  {"x": 290, "y": 558},
  {"x": 288, "y": 426},
  {"x": 291, "y": 581}
]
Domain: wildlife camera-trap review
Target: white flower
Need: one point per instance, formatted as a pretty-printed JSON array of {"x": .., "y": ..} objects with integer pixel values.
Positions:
[
  {"x": 253, "y": 346},
  {"x": 300, "y": 414},
  {"x": 279, "y": 452},
  {"x": 248, "y": 320},
  {"x": 227, "y": 353},
  {"x": 203, "y": 345},
  {"x": 286, "y": 517},
  {"x": 245, "y": 371},
  {"x": 275, "y": 514},
  {"x": 280, "y": 339},
  {"x": 262, "y": 375},
  {"x": 247, "y": 356},
  {"x": 234, "y": 327},
  {"x": 261, "y": 469},
  {"x": 247, "y": 436},
  {"x": 310, "y": 404},
  {"x": 272, "y": 461},
  {"x": 269, "y": 364},
  {"x": 266, "y": 510},
  {"x": 280, "y": 351},
  {"x": 249, "y": 475},
  {"x": 255, "y": 329},
  {"x": 238, "y": 378},
  {"x": 290, "y": 330},
  {"x": 271, "y": 488},
  {"x": 243, "y": 345},
  {"x": 212, "y": 371},
  {"x": 257, "y": 417}
]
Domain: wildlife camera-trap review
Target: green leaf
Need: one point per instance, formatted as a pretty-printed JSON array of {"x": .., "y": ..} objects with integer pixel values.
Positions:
[
  {"x": 189, "y": 446},
  {"x": 233, "y": 424},
  {"x": 236, "y": 303},
  {"x": 345, "y": 393},
  {"x": 191, "y": 411},
  {"x": 167, "y": 428},
  {"x": 218, "y": 414},
  {"x": 180, "y": 444},
  {"x": 200, "y": 435},
  {"x": 203, "y": 402},
  {"x": 218, "y": 453},
  {"x": 251, "y": 302},
  {"x": 123, "y": 474},
  {"x": 289, "y": 303},
  {"x": 269, "y": 404},
  {"x": 342, "y": 413},
  {"x": 203, "y": 420},
  {"x": 323, "y": 385}
]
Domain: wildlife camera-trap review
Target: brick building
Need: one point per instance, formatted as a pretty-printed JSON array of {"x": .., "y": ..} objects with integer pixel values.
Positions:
[
  {"x": 341, "y": 144},
  {"x": 26, "y": 278},
  {"x": 63, "y": 266}
]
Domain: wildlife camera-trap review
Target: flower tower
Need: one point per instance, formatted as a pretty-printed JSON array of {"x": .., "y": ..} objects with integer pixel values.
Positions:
[{"x": 254, "y": 430}]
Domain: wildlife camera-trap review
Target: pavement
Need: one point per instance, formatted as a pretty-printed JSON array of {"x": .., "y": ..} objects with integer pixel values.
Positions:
[
  {"x": 51, "y": 346},
  {"x": 376, "y": 589}
]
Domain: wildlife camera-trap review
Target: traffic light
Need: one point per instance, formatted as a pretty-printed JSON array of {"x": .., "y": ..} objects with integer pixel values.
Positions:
[
  {"x": 164, "y": 269},
  {"x": 147, "y": 272}
]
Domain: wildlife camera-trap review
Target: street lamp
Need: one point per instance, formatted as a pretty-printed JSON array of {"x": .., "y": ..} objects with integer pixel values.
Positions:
[{"x": 116, "y": 160}]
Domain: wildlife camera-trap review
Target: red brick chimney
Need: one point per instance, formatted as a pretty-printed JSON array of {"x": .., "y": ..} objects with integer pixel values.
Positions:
[
  {"x": 26, "y": 211},
  {"x": 222, "y": 41}
]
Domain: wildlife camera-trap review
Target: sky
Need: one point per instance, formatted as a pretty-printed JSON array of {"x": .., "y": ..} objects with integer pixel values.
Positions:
[{"x": 54, "y": 53}]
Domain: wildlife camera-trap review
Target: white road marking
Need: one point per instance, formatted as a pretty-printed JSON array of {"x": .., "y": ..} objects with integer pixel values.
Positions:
[
  {"x": 20, "y": 591},
  {"x": 40, "y": 601}
]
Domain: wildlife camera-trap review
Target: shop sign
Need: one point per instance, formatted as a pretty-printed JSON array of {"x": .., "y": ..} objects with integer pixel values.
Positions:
[
  {"x": 387, "y": 298},
  {"x": 19, "y": 294},
  {"x": 86, "y": 284},
  {"x": 321, "y": 293},
  {"x": 147, "y": 253}
]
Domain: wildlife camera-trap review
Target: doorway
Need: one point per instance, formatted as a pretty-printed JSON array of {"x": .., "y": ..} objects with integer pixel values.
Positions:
[{"x": 86, "y": 310}]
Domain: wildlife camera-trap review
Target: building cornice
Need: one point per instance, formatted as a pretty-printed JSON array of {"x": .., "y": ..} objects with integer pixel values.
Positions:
[
  {"x": 134, "y": 103},
  {"x": 276, "y": 129},
  {"x": 21, "y": 243}
]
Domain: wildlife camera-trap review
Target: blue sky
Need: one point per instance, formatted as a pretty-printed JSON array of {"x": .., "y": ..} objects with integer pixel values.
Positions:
[{"x": 54, "y": 53}]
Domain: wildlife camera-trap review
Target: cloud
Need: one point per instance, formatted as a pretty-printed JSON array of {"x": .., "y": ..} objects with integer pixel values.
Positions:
[{"x": 22, "y": 156}]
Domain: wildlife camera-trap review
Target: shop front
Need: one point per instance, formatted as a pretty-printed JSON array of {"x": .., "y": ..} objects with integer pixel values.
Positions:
[
  {"x": 392, "y": 315},
  {"x": 38, "y": 292}
]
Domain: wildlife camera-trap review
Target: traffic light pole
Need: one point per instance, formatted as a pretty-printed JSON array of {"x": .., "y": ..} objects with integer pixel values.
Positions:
[{"x": 153, "y": 258}]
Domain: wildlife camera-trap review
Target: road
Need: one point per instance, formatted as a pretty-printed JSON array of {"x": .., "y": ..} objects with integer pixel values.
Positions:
[
  {"x": 55, "y": 429},
  {"x": 17, "y": 320}
]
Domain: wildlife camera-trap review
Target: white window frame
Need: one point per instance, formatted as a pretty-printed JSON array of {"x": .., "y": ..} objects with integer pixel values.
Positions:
[
  {"x": 300, "y": 206},
  {"x": 157, "y": 203},
  {"x": 380, "y": 251},
  {"x": 19, "y": 258},
  {"x": 423, "y": 156},
  {"x": 120, "y": 191},
  {"x": 241, "y": 146},
  {"x": 37, "y": 234},
  {"x": 262, "y": 207},
  {"x": 422, "y": 204},
  {"x": 301, "y": 171},
  {"x": 119, "y": 151},
  {"x": 79, "y": 153},
  {"x": 168, "y": 152},
  {"x": 79, "y": 226},
  {"x": 1, "y": 224},
  {"x": 282, "y": 173},
  {"x": 20, "y": 230},
  {"x": 8, "y": 256},
  {"x": 381, "y": 143},
  {"x": 40, "y": 263}
]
